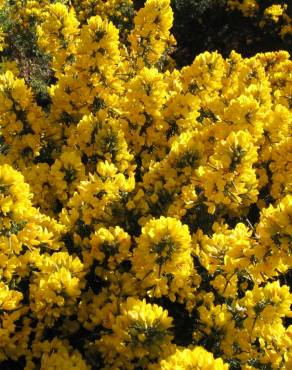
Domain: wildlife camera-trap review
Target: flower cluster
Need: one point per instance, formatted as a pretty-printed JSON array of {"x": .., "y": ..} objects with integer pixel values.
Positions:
[
  {"x": 145, "y": 210},
  {"x": 195, "y": 358},
  {"x": 140, "y": 334}
]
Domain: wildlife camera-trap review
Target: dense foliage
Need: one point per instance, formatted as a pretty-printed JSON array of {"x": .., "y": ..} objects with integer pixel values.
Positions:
[{"x": 145, "y": 210}]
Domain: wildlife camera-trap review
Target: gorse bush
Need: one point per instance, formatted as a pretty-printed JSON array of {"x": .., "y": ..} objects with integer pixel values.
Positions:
[{"x": 140, "y": 197}]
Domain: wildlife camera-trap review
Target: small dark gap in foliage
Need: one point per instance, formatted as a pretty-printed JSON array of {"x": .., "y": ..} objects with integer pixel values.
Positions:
[
  {"x": 13, "y": 365},
  {"x": 184, "y": 324},
  {"x": 94, "y": 282}
]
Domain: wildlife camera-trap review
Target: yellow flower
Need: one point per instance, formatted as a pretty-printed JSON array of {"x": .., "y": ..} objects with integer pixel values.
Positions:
[
  {"x": 15, "y": 196},
  {"x": 265, "y": 306},
  {"x": 57, "y": 34},
  {"x": 9, "y": 299},
  {"x": 110, "y": 247},
  {"x": 98, "y": 202},
  {"x": 275, "y": 232},
  {"x": 56, "y": 286},
  {"x": 274, "y": 12},
  {"x": 141, "y": 333},
  {"x": 151, "y": 32},
  {"x": 2, "y": 39},
  {"x": 58, "y": 354},
  {"x": 65, "y": 174},
  {"x": 191, "y": 358},
  {"x": 162, "y": 258},
  {"x": 281, "y": 167},
  {"x": 232, "y": 181}
]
